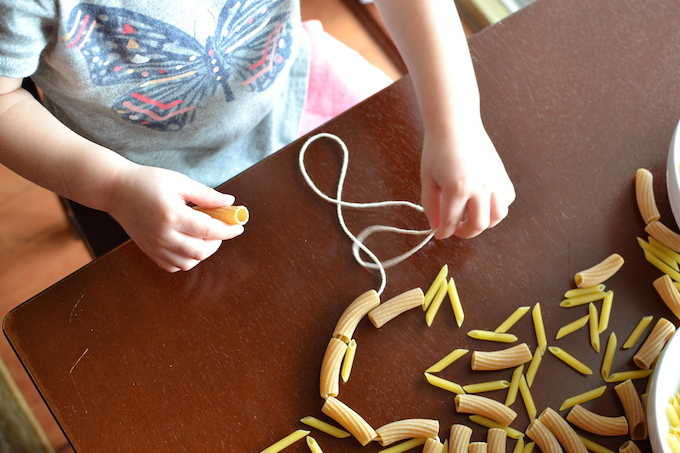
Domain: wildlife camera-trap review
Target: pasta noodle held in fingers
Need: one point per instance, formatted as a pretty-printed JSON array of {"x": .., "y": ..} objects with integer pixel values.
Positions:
[
  {"x": 233, "y": 215},
  {"x": 543, "y": 437},
  {"x": 459, "y": 438},
  {"x": 501, "y": 359},
  {"x": 329, "y": 384},
  {"x": 657, "y": 339},
  {"x": 348, "y": 419},
  {"x": 564, "y": 433},
  {"x": 397, "y": 305},
  {"x": 350, "y": 318},
  {"x": 644, "y": 194},
  {"x": 596, "y": 423},
  {"x": 407, "y": 429},
  {"x": 600, "y": 272},
  {"x": 486, "y": 407},
  {"x": 632, "y": 406}
]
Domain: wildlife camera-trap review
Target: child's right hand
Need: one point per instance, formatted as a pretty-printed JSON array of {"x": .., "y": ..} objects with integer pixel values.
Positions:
[{"x": 151, "y": 205}]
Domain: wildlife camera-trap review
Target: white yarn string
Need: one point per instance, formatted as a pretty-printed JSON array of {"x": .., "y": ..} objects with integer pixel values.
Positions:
[{"x": 357, "y": 241}]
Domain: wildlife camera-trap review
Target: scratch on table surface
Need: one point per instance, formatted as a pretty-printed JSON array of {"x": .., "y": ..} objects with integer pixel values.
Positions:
[
  {"x": 70, "y": 319},
  {"x": 70, "y": 373},
  {"x": 79, "y": 359}
]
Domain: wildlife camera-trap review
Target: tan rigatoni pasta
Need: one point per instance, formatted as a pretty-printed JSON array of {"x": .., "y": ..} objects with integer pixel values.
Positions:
[
  {"x": 446, "y": 361},
  {"x": 488, "y": 423},
  {"x": 564, "y": 433},
  {"x": 349, "y": 419},
  {"x": 325, "y": 427},
  {"x": 348, "y": 361},
  {"x": 594, "y": 327},
  {"x": 501, "y": 359},
  {"x": 600, "y": 272},
  {"x": 492, "y": 336},
  {"x": 637, "y": 332},
  {"x": 606, "y": 311},
  {"x": 477, "y": 447},
  {"x": 608, "y": 358},
  {"x": 456, "y": 304},
  {"x": 657, "y": 339},
  {"x": 496, "y": 440},
  {"x": 434, "y": 287},
  {"x": 583, "y": 397},
  {"x": 527, "y": 398},
  {"x": 488, "y": 386},
  {"x": 533, "y": 366},
  {"x": 543, "y": 437},
  {"x": 644, "y": 194},
  {"x": 444, "y": 384},
  {"x": 572, "y": 327},
  {"x": 459, "y": 438},
  {"x": 664, "y": 235},
  {"x": 511, "y": 396},
  {"x": 407, "y": 429},
  {"x": 433, "y": 446},
  {"x": 233, "y": 215},
  {"x": 397, "y": 305},
  {"x": 290, "y": 439},
  {"x": 629, "y": 447},
  {"x": 486, "y": 407},
  {"x": 570, "y": 360},
  {"x": 512, "y": 319},
  {"x": 596, "y": 423},
  {"x": 329, "y": 384},
  {"x": 350, "y": 318},
  {"x": 632, "y": 406},
  {"x": 669, "y": 293}
]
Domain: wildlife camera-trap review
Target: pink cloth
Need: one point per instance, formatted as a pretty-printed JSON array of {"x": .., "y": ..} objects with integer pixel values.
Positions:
[{"x": 339, "y": 78}]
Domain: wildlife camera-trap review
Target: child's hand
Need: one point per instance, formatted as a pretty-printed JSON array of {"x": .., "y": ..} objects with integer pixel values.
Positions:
[
  {"x": 465, "y": 188},
  {"x": 151, "y": 205}
]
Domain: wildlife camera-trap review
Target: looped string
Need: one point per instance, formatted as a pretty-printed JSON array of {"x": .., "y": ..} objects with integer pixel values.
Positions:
[{"x": 358, "y": 241}]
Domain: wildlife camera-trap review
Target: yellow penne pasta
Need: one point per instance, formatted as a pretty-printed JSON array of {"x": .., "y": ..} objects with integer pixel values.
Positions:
[
  {"x": 664, "y": 235},
  {"x": 477, "y": 447},
  {"x": 313, "y": 445},
  {"x": 445, "y": 448},
  {"x": 669, "y": 293},
  {"x": 325, "y": 427},
  {"x": 348, "y": 361},
  {"x": 397, "y": 305},
  {"x": 404, "y": 446},
  {"x": 433, "y": 446},
  {"x": 456, "y": 305},
  {"x": 600, "y": 272},
  {"x": 496, "y": 440},
  {"x": 594, "y": 327},
  {"x": 329, "y": 384},
  {"x": 459, "y": 438},
  {"x": 644, "y": 194},
  {"x": 575, "y": 292},
  {"x": 626, "y": 375},
  {"x": 489, "y": 386},
  {"x": 233, "y": 215},
  {"x": 545, "y": 439},
  {"x": 657, "y": 339},
  {"x": 290, "y": 439},
  {"x": 444, "y": 384},
  {"x": 502, "y": 359},
  {"x": 488, "y": 423},
  {"x": 446, "y": 361},
  {"x": 529, "y": 404},
  {"x": 659, "y": 253},
  {"x": 533, "y": 366},
  {"x": 349, "y": 419},
  {"x": 583, "y": 397},
  {"x": 583, "y": 299},
  {"x": 539, "y": 328},
  {"x": 593, "y": 446},
  {"x": 570, "y": 360},
  {"x": 608, "y": 358},
  {"x": 663, "y": 267},
  {"x": 564, "y": 433},
  {"x": 668, "y": 251},
  {"x": 637, "y": 332},
  {"x": 673, "y": 442},
  {"x": 511, "y": 396},
  {"x": 512, "y": 319},
  {"x": 519, "y": 446},
  {"x": 605, "y": 312},
  {"x": 632, "y": 406},
  {"x": 596, "y": 423},
  {"x": 407, "y": 429},
  {"x": 673, "y": 416},
  {"x": 572, "y": 327},
  {"x": 492, "y": 336},
  {"x": 629, "y": 447},
  {"x": 344, "y": 329},
  {"x": 434, "y": 287},
  {"x": 436, "y": 303},
  {"x": 486, "y": 407},
  {"x": 529, "y": 447}
]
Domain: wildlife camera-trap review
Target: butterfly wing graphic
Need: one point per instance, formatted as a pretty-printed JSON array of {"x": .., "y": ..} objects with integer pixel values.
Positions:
[{"x": 171, "y": 71}]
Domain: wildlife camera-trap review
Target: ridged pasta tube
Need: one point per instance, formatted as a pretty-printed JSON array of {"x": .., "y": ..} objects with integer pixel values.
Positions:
[
  {"x": 632, "y": 406},
  {"x": 657, "y": 339},
  {"x": 501, "y": 359},
  {"x": 496, "y": 440},
  {"x": 433, "y": 446},
  {"x": 397, "y": 305},
  {"x": 564, "y": 433},
  {"x": 407, "y": 429},
  {"x": 350, "y": 318},
  {"x": 664, "y": 235},
  {"x": 349, "y": 419},
  {"x": 329, "y": 384},
  {"x": 629, "y": 447},
  {"x": 600, "y": 272},
  {"x": 486, "y": 407},
  {"x": 669, "y": 293},
  {"x": 644, "y": 195},
  {"x": 459, "y": 438},
  {"x": 543, "y": 437},
  {"x": 596, "y": 423}
]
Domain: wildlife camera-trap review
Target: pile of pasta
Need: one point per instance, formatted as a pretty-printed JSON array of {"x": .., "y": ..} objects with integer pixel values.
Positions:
[{"x": 549, "y": 430}]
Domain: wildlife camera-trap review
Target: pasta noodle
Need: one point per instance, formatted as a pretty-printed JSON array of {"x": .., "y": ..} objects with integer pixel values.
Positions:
[
  {"x": 477, "y": 447},
  {"x": 313, "y": 445},
  {"x": 527, "y": 398},
  {"x": 348, "y": 361},
  {"x": 533, "y": 366},
  {"x": 486, "y": 386},
  {"x": 664, "y": 235},
  {"x": 593, "y": 446},
  {"x": 519, "y": 446},
  {"x": 596, "y": 423},
  {"x": 433, "y": 446},
  {"x": 496, "y": 440},
  {"x": 348, "y": 419},
  {"x": 629, "y": 447},
  {"x": 404, "y": 446},
  {"x": 511, "y": 396},
  {"x": 539, "y": 328},
  {"x": 545, "y": 439},
  {"x": 492, "y": 336},
  {"x": 669, "y": 293},
  {"x": 325, "y": 427},
  {"x": 456, "y": 305},
  {"x": 486, "y": 407},
  {"x": 459, "y": 438},
  {"x": 444, "y": 384},
  {"x": 564, "y": 433},
  {"x": 233, "y": 215},
  {"x": 446, "y": 361},
  {"x": 657, "y": 339},
  {"x": 350, "y": 318},
  {"x": 637, "y": 332},
  {"x": 608, "y": 358},
  {"x": 600, "y": 272},
  {"x": 570, "y": 360},
  {"x": 626, "y": 375},
  {"x": 436, "y": 303},
  {"x": 583, "y": 397},
  {"x": 434, "y": 287},
  {"x": 632, "y": 406},
  {"x": 286, "y": 441},
  {"x": 663, "y": 267},
  {"x": 594, "y": 325},
  {"x": 529, "y": 447},
  {"x": 659, "y": 253},
  {"x": 644, "y": 194},
  {"x": 488, "y": 423},
  {"x": 668, "y": 251},
  {"x": 575, "y": 292},
  {"x": 407, "y": 429},
  {"x": 397, "y": 305},
  {"x": 512, "y": 319},
  {"x": 583, "y": 299},
  {"x": 605, "y": 312},
  {"x": 572, "y": 327},
  {"x": 329, "y": 384},
  {"x": 502, "y": 359}
]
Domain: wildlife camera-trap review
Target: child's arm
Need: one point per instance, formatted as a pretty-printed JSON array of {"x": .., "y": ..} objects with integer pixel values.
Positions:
[
  {"x": 150, "y": 203},
  {"x": 465, "y": 188}
]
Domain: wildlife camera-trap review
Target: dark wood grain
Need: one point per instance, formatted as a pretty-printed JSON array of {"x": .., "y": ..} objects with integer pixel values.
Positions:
[{"x": 577, "y": 95}]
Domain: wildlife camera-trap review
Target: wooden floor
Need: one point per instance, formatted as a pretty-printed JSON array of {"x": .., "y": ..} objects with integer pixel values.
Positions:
[{"x": 38, "y": 246}]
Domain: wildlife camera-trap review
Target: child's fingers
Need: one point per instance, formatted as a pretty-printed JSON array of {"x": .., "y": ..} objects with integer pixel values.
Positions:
[
  {"x": 477, "y": 217},
  {"x": 451, "y": 212},
  {"x": 202, "y": 195}
]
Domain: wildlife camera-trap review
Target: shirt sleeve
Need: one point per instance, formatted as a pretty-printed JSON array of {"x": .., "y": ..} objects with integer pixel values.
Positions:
[{"x": 26, "y": 28}]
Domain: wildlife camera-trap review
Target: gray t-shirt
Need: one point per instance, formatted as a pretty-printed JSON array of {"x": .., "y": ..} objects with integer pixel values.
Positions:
[{"x": 206, "y": 88}]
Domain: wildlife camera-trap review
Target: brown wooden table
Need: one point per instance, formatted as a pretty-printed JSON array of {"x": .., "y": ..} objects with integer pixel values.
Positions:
[{"x": 576, "y": 94}]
